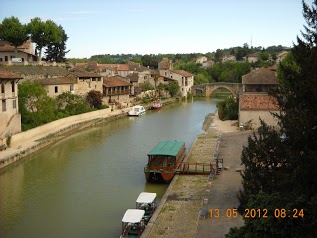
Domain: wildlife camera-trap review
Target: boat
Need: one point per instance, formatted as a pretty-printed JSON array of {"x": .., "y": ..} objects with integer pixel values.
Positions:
[
  {"x": 156, "y": 104},
  {"x": 163, "y": 160},
  {"x": 137, "y": 111},
  {"x": 147, "y": 202},
  {"x": 133, "y": 223}
]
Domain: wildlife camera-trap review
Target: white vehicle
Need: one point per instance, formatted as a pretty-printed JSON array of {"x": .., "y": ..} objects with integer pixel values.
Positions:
[
  {"x": 137, "y": 111},
  {"x": 16, "y": 60}
]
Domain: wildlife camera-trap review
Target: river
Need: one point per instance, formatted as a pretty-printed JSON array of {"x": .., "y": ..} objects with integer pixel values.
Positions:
[{"x": 82, "y": 185}]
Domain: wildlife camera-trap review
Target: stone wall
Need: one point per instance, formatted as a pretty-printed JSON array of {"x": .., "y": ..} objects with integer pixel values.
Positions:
[{"x": 254, "y": 115}]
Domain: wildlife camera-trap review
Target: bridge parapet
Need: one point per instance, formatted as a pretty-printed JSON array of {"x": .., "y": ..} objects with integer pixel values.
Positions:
[{"x": 206, "y": 90}]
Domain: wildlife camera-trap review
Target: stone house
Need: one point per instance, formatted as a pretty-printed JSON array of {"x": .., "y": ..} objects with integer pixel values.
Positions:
[
  {"x": 201, "y": 60},
  {"x": 87, "y": 81},
  {"x": 10, "y": 117},
  {"x": 254, "y": 101},
  {"x": 281, "y": 56},
  {"x": 24, "y": 51},
  {"x": 252, "y": 57},
  {"x": 57, "y": 86},
  {"x": 116, "y": 89},
  {"x": 229, "y": 58}
]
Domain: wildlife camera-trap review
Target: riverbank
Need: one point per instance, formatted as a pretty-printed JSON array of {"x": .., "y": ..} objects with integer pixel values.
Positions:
[{"x": 178, "y": 214}]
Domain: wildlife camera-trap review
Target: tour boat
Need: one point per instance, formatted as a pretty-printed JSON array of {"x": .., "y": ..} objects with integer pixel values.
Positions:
[
  {"x": 133, "y": 223},
  {"x": 137, "y": 111},
  {"x": 147, "y": 202},
  {"x": 163, "y": 161},
  {"x": 156, "y": 104}
]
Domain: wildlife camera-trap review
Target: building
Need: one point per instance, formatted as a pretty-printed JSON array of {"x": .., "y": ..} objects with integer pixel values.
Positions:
[
  {"x": 252, "y": 57},
  {"x": 57, "y": 86},
  {"x": 25, "y": 52},
  {"x": 10, "y": 117},
  {"x": 201, "y": 60},
  {"x": 254, "y": 102},
  {"x": 87, "y": 81},
  {"x": 229, "y": 58},
  {"x": 281, "y": 56},
  {"x": 116, "y": 89}
]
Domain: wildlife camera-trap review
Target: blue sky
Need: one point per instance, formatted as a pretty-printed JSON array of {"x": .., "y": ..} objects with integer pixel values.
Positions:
[{"x": 164, "y": 26}]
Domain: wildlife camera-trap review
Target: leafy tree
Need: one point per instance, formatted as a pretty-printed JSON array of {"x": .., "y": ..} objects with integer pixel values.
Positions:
[
  {"x": 219, "y": 55},
  {"x": 13, "y": 31},
  {"x": 44, "y": 33},
  {"x": 57, "y": 51},
  {"x": 228, "y": 109},
  {"x": 35, "y": 106},
  {"x": 69, "y": 104},
  {"x": 146, "y": 87},
  {"x": 281, "y": 162},
  {"x": 151, "y": 60},
  {"x": 264, "y": 55},
  {"x": 94, "y": 98},
  {"x": 173, "y": 88}
]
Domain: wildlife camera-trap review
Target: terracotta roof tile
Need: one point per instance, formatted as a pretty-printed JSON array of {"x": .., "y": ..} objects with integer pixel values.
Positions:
[
  {"x": 182, "y": 72},
  {"x": 5, "y": 46},
  {"x": 260, "y": 76},
  {"x": 9, "y": 75},
  {"x": 123, "y": 67},
  {"x": 134, "y": 77},
  {"x": 257, "y": 102},
  {"x": 115, "y": 81},
  {"x": 85, "y": 74},
  {"x": 57, "y": 81}
]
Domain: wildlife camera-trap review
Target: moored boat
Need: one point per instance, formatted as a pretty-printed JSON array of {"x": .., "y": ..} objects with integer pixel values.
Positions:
[
  {"x": 163, "y": 160},
  {"x": 137, "y": 111},
  {"x": 156, "y": 104},
  {"x": 147, "y": 202},
  {"x": 133, "y": 223}
]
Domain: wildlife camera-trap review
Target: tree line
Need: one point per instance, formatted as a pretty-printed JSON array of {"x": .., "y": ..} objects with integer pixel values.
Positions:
[
  {"x": 279, "y": 180},
  {"x": 45, "y": 34}
]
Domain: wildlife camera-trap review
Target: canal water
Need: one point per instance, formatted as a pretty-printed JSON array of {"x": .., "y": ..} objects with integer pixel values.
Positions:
[{"x": 82, "y": 185}]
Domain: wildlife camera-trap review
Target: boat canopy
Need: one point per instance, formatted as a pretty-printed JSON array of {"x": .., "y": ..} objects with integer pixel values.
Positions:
[
  {"x": 145, "y": 197},
  {"x": 133, "y": 215},
  {"x": 167, "y": 148}
]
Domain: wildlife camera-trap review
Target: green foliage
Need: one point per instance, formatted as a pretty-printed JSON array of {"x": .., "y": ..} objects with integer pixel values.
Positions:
[
  {"x": 280, "y": 163},
  {"x": 173, "y": 88},
  {"x": 229, "y": 71},
  {"x": 151, "y": 60},
  {"x": 44, "y": 33},
  {"x": 13, "y": 31},
  {"x": 8, "y": 140},
  {"x": 146, "y": 87},
  {"x": 35, "y": 106},
  {"x": 219, "y": 55},
  {"x": 228, "y": 109},
  {"x": 57, "y": 51},
  {"x": 69, "y": 104},
  {"x": 264, "y": 55},
  {"x": 94, "y": 99}
]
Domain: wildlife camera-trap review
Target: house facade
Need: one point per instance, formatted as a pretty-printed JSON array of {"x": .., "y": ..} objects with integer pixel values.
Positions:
[
  {"x": 9, "y": 109},
  {"x": 24, "y": 51},
  {"x": 254, "y": 102},
  {"x": 57, "y": 86},
  {"x": 116, "y": 89},
  {"x": 87, "y": 81}
]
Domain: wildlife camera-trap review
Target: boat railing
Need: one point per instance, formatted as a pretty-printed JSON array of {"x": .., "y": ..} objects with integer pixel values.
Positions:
[{"x": 195, "y": 168}]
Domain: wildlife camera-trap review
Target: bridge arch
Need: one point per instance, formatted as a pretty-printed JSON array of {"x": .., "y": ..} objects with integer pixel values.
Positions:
[{"x": 207, "y": 89}]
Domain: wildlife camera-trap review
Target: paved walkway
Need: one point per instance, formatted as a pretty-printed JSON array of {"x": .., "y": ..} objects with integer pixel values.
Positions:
[{"x": 221, "y": 193}]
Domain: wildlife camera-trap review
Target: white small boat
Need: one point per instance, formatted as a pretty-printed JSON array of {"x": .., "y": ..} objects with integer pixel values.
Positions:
[
  {"x": 147, "y": 202},
  {"x": 137, "y": 111},
  {"x": 132, "y": 223}
]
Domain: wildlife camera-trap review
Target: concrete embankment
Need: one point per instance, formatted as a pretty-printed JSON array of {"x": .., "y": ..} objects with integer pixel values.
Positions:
[{"x": 178, "y": 214}]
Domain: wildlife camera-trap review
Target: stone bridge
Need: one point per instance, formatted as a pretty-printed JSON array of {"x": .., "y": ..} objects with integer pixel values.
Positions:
[{"x": 206, "y": 90}]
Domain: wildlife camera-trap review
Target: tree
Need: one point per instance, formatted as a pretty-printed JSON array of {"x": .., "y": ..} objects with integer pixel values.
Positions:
[
  {"x": 35, "y": 106},
  {"x": 13, "y": 31},
  {"x": 69, "y": 104},
  {"x": 57, "y": 51},
  {"x": 94, "y": 98},
  {"x": 218, "y": 55},
  {"x": 44, "y": 33},
  {"x": 280, "y": 163},
  {"x": 173, "y": 88}
]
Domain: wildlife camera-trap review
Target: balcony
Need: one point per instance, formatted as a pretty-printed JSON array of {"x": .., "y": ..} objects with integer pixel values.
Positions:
[{"x": 117, "y": 92}]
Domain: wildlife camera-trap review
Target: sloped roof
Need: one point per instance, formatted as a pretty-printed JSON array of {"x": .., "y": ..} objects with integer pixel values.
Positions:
[
  {"x": 9, "y": 75},
  {"x": 123, "y": 67},
  {"x": 115, "y": 81},
  {"x": 85, "y": 74},
  {"x": 182, "y": 72},
  {"x": 257, "y": 102},
  {"x": 37, "y": 70},
  {"x": 5, "y": 46},
  {"x": 134, "y": 77},
  {"x": 260, "y": 76},
  {"x": 57, "y": 81},
  {"x": 167, "y": 148}
]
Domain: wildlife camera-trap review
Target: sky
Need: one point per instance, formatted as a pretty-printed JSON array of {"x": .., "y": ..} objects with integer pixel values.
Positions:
[{"x": 164, "y": 26}]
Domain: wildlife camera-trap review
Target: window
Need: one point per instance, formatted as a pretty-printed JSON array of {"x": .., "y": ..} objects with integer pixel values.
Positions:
[
  {"x": 56, "y": 89},
  {"x": 0, "y": 59},
  {"x": 14, "y": 104},
  {"x": 71, "y": 87},
  {"x": 2, "y": 87},
  {"x": 6, "y": 58},
  {"x": 89, "y": 84},
  {"x": 4, "y": 108},
  {"x": 13, "y": 86}
]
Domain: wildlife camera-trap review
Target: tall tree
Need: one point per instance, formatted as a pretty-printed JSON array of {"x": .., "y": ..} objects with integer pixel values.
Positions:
[
  {"x": 44, "y": 33},
  {"x": 13, "y": 31},
  {"x": 280, "y": 163},
  {"x": 57, "y": 51}
]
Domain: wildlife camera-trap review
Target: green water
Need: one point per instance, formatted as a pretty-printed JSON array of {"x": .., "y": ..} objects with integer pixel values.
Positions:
[{"x": 82, "y": 185}]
